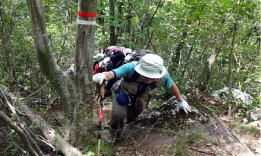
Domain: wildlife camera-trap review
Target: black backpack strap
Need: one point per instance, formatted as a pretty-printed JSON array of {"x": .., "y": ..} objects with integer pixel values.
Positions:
[
  {"x": 117, "y": 59},
  {"x": 133, "y": 77}
]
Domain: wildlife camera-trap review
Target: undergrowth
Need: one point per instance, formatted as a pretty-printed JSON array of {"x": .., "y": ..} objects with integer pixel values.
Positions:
[
  {"x": 106, "y": 149},
  {"x": 183, "y": 142}
]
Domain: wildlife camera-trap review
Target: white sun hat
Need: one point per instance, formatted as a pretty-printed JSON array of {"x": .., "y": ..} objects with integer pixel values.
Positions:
[{"x": 151, "y": 66}]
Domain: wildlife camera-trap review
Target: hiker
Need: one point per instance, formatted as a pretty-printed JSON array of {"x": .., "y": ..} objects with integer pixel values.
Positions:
[
  {"x": 114, "y": 57},
  {"x": 131, "y": 92},
  {"x": 96, "y": 59}
]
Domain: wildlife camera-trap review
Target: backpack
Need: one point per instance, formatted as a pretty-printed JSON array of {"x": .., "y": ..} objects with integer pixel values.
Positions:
[
  {"x": 136, "y": 55},
  {"x": 130, "y": 57}
]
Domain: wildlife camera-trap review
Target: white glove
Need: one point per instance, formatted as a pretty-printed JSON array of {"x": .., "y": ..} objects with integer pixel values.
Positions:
[
  {"x": 182, "y": 104},
  {"x": 104, "y": 62},
  {"x": 99, "y": 78}
]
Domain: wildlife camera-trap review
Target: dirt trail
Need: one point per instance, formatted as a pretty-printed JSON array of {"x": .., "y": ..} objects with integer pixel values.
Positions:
[{"x": 163, "y": 132}]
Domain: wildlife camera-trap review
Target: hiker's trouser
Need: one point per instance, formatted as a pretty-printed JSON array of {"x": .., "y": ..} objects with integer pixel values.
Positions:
[
  {"x": 129, "y": 112},
  {"x": 122, "y": 113}
]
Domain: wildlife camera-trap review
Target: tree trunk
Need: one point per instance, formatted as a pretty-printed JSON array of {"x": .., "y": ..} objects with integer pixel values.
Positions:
[
  {"x": 101, "y": 20},
  {"x": 128, "y": 18},
  {"x": 83, "y": 112},
  {"x": 210, "y": 62},
  {"x": 191, "y": 50},
  {"x": 177, "y": 57},
  {"x": 113, "y": 37},
  {"x": 120, "y": 29},
  {"x": 230, "y": 71}
]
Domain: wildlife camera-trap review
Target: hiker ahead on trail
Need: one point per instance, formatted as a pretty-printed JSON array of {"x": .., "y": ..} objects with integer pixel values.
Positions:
[
  {"x": 112, "y": 58},
  {"x": 131, "y": 92}
]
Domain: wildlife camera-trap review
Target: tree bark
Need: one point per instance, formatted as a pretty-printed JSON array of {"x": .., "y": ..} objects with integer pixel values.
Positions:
[
  {"x": 230, "y": 71},
  {"x": 113, "y": 37},
  {"x": 83, "y": 115},
  {"x": 128, "y": 18},
  {"x": 180, "y": 46},
  {"x": 120, "y": 29},
  {"x": 210, "y": 62},
  {"x": 191, "y": 50}
]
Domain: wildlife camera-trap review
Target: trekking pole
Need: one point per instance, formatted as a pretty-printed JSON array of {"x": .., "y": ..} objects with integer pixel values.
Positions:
[{"x": 100, "y": 112}]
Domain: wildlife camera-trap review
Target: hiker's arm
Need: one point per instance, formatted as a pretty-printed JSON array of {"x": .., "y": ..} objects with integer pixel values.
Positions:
[
  {"x": 109, "y": 75},
  {"x": 125, "y": 70},
  {"x": 100, "y": 77},
  {"x": 175, "y": 91},
  {"x": 182, "y": 104},
  {"x": 122, "y": 71},
  {"x": 119, "y": 72},
  {"x": 171, "y": 86}
]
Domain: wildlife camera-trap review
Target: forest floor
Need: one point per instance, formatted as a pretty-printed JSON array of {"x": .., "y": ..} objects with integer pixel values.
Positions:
[{"x": 162, "y": 132}]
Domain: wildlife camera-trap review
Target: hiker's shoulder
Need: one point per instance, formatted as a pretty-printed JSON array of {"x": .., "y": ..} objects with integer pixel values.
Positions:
[
  {"x": 130, "y": 64},
  {"x": 128, "y": 67}
]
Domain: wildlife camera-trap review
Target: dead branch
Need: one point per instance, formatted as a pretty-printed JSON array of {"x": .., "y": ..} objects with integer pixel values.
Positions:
[
  {"x": 20, "y": 124},
  {"x": 49, "y": 133},
  {"x": 14, "y": 126},
  {"x": 20, "y": 148}
]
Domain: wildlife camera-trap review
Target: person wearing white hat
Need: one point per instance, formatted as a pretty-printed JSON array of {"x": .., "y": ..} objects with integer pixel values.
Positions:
[{"x": 132, "y": 92}]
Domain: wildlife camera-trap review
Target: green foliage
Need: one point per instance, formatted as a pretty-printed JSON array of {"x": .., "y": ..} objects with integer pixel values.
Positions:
[
  {"x": 250, "y": 130},
  {"x": 183, "y": 142},
  {"x": 105, "y": 148},
  {"x": 13, "y": 134},
  {"x": 215, "y": 111},
  {"x": 16, "y": 45},
  {"x": 177, "y": 78},
  {"x": 14, "y": 150},
  {"x": 89, "y": 154}
]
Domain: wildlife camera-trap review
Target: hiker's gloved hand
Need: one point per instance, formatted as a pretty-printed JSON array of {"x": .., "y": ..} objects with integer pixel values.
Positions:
[
  {"x": 99, "y": 78},
  {"x": 182, "y": 104},
  {"x": 104, "y": 62}
]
